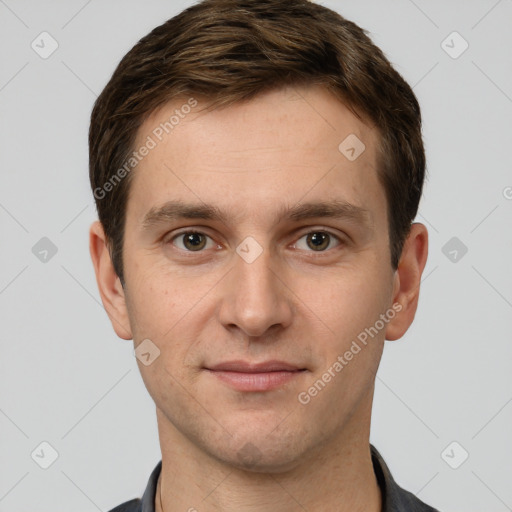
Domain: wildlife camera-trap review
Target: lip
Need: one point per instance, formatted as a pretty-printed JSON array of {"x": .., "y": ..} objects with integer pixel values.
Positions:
[
  {"x": 264, "y": 376},
  {"x": 247, "y": 367}
]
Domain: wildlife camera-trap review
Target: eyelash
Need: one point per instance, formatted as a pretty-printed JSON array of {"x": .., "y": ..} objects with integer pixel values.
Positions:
[{"x": 194, "y": 231}]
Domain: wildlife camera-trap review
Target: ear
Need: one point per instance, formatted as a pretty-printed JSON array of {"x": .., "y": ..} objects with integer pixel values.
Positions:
[
  {"x": 109, "y": 285},
  {"x": 407, "y": 281}
]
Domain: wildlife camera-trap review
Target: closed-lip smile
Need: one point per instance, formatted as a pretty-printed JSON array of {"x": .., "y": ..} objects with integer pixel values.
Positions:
[{"x": 249, "y": 376}]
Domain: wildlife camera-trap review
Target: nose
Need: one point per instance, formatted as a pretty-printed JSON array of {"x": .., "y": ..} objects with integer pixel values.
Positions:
[{"x": 255, "y": 299}]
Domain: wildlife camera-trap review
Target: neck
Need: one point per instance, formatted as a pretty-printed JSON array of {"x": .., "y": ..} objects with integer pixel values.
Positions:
[{"x": 339, "y": 477}]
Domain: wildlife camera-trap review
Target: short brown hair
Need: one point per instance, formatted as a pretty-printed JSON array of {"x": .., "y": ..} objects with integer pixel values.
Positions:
[{"x": 229, "y": 51}]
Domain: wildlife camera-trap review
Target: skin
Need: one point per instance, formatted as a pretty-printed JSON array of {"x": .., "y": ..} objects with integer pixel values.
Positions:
[{"x": 293, "y": 303}]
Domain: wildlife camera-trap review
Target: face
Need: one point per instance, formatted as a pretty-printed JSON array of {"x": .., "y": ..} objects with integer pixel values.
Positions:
[{"x": 256, "y": 254}]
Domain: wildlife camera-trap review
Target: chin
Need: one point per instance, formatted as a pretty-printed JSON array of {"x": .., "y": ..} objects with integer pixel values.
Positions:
[
  {"x": 258, "y": 459},
  {"x": 263, "y": 450}
]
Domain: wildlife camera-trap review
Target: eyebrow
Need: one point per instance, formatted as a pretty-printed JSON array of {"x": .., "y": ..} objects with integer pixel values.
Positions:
[{"x": 176, "y": 210}]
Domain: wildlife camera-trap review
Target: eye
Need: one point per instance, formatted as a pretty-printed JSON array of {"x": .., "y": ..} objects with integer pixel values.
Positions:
[
  {"x": 191, "y": 241},
  {"x": 318, "y": 241}
]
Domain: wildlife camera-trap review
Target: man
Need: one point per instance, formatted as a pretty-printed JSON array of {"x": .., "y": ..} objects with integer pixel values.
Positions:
[{"x": 257, "y": 166}]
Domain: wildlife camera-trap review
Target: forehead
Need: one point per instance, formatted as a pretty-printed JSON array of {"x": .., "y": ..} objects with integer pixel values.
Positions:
[{"x": 283, "y": 146}]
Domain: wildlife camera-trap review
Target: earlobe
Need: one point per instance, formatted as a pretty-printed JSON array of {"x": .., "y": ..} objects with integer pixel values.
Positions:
[
  {"x": 407, "y": 280},
  {"x": 109, "y": 284}
]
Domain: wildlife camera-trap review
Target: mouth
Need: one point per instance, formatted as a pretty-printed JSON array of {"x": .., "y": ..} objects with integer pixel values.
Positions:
[{"x": 246, "y": 376}]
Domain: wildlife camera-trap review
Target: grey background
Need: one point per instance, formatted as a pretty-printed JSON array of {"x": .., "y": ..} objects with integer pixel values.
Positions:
[{"x": 65, "y": 378}]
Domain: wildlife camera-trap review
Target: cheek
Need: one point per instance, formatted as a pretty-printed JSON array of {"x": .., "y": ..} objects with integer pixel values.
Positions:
[
  {"x": 350, "y": 299},
  {"x": 173, "y": 311},
  {"x": 160, "y": 299}
]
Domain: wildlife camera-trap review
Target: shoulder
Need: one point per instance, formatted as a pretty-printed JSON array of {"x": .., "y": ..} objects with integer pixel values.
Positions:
[
  {"x": 405, "y": 500},
  {"x": 129, "y": 506},
  {"x": 394, "y": 497},
  {"x": 147, "y": 503}
]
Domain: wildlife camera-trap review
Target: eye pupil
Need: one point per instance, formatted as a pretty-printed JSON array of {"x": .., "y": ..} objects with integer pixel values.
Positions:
[
  {"x": 318, "y": 240},
  {"x": 196, "y": 241}
]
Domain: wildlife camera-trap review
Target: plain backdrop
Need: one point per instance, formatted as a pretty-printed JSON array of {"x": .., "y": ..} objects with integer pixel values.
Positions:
[{"x": 443, "y": 392}]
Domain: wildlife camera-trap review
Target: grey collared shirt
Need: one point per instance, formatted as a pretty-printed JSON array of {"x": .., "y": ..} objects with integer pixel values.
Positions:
[{"x": 394, "y": 498}]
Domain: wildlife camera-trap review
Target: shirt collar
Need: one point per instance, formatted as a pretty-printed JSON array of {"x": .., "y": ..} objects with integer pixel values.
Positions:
[
  {"x": 148, "y": 498},
  {"x": 394, "y": 498}
]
